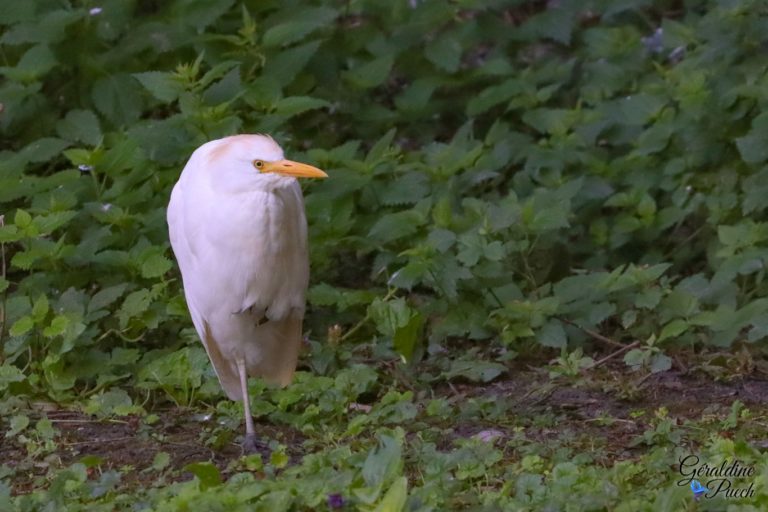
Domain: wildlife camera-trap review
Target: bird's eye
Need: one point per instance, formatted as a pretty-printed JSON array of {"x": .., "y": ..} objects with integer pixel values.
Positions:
[{"x": 259, "y": 164}]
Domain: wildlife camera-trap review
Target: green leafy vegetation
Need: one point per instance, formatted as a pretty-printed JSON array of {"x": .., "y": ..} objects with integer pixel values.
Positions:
[{"x": 538, "y": 266}]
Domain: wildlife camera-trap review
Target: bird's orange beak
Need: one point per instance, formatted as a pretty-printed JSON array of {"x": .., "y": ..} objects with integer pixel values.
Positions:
[{"x": 294, "y": 169}]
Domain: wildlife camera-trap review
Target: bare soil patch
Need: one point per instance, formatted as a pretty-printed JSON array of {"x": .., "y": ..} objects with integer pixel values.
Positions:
[{"x": 580, "y": 415}]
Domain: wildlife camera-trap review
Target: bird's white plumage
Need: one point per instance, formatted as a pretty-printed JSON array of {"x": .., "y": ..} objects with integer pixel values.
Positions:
[{"x": 240, "y": 238}]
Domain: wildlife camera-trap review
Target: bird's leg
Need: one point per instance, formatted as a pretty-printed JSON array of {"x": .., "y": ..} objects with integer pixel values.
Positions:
[{"x": 250, "y": 432}]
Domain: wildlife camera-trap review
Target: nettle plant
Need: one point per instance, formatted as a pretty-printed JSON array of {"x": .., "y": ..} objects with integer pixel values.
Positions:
[{"x": 502, "y": 172}]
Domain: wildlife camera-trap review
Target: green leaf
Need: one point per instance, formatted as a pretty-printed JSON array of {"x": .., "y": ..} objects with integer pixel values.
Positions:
[
  {"x": 226, "y": 89},
  {"x": 647, "y": 206},
  {"x": 106, "y": 483},
  {"x": 556, "y": 22},
  {"x": 550, "y": 120},
  {"x": 16, "y": 12},
  {"x": 279, "y": 458},
  {"x": 371, "y": 74},
  {"x": 161, "y": 461},
  {"x": 46, "y": 224},
  {"x": 660, "y": 363},
  {"x": 476, "y": 371},
  {"x": 43, "y": 150},
  {"x": 124, "y": 154},
  {"x": 207, "y": 474},
  {"x": 295, "y": 105},
  {"x": 406, "y": 337},
  {"x": 118, "y": 98},
  {"x": 44, "y": 427},
  {"x": 471, "y": 250},
  {"x": 10, "y": 233},
  {"x": 91, "y": 461},
  {"x": 155, "y": 266},
  {"x": 752, "y": 146},
  {"x": 407, "y": 276},
  {"x": 380, "y": 148},
  {"x": 35, "y": 62},
  {"x": 58, "y": 376},
  {"x": 550, "y": 218},
  {"x": 199, "y": 13},
  {"x": 638, "y": 109},
  {"x": 303, "y": 22},
  {"x": 395, "y": 498},
  {"x": 553, "y": 335},
  {"x": 57, "y": 326},
  {"x": 80, "y": 126},
  {"x": 673, "y": 329},
  {"x": 628, "y": 318},
  {"x": 163, "y": 86},
  {"x": 18, "y": 423},
  {"x": 492, "y": 96},
  {"x": 105, "y": 297},
  {"x": 755, "y": 188},
  {"x": 22, "y": 219},
  {"x": 176, "y": 373},
  {"x": 635, "y": 358},
  {"x": 134, "y": 304},
  {"x": 445, "y": 52},
  {"x": 416, "y": 96},
  {"x": 284, "y": 67},
  {"x": 407, "y": 189},
  {"x": 10, "y": 374},
  {"x": 494, "y": 251},
  {"x": 396, "y": 225},
  {"x": 124, "y": 356},
  {"x": 383, "y": 462},
  {"x": 40, "y": 308},
  {"x": 115, "y": 402},
  {"x": 389, "y": 316}
]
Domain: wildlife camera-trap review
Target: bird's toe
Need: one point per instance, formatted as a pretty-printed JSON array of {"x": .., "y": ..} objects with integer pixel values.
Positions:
[{"x": 252, "y": 444}]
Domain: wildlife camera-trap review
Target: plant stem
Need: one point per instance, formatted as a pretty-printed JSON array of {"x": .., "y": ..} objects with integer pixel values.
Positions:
[
  {"x": 614, "y": 354},
  {"x": 365, "y": 319},
  {"x": 595, "y": 335},
  {"x": 5, "y": 294}
]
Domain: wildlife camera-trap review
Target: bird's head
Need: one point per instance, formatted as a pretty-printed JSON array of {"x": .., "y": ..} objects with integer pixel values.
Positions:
[{"x": 253, "y": 162}]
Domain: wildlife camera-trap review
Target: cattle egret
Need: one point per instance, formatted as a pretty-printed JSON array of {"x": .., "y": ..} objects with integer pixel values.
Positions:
[{"x": 238, "y": 230}]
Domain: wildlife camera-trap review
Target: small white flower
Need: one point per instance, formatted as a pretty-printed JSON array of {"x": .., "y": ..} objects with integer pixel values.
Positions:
[
  {"x": 677, "y": 54},
  {"x": 95, "y": 11},
  {"x": 489, "y": 436},
  {"x": 655, "y": 42},
  {"x": 85, "y": 168},
  {"x": 106, "y": 207}
]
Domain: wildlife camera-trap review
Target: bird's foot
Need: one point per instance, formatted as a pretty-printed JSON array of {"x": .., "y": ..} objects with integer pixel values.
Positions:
[{"x": 252, "y": 444}]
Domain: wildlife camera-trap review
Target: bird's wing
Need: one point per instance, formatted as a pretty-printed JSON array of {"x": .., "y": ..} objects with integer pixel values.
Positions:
[
  {"x": 181, "y": 236},
  {"x": 274, "y": 354},
  {"x": 231, "y": 282},
  {"x": 275, "y": 340}
]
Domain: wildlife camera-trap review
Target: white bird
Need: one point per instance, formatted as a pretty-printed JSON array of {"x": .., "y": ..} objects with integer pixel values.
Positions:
[{"x": 238, "y": 230}]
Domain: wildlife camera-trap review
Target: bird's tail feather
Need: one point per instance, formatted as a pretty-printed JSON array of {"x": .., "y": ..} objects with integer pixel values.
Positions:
[
  {"x": 271, "y": 355},
  {"x": 275, "y": 350},
  {"x": 226, "y": 370}
]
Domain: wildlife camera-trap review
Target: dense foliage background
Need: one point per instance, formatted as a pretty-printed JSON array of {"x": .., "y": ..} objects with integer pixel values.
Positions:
[{"x": 509, "y": 179}]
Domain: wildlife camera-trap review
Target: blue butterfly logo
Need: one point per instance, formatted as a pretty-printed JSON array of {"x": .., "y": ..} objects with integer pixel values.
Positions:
[{"x": 698, "y": 489}]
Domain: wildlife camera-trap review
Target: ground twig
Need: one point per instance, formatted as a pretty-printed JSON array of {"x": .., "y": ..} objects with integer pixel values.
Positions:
[
  {"x": 610, "y": 356},
  {"x": 595, "y": 335},
  {"x": 2, "y": 306}
]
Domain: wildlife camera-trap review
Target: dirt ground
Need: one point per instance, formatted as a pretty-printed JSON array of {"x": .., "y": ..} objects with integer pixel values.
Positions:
[{"x": 586, "y": 409}]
